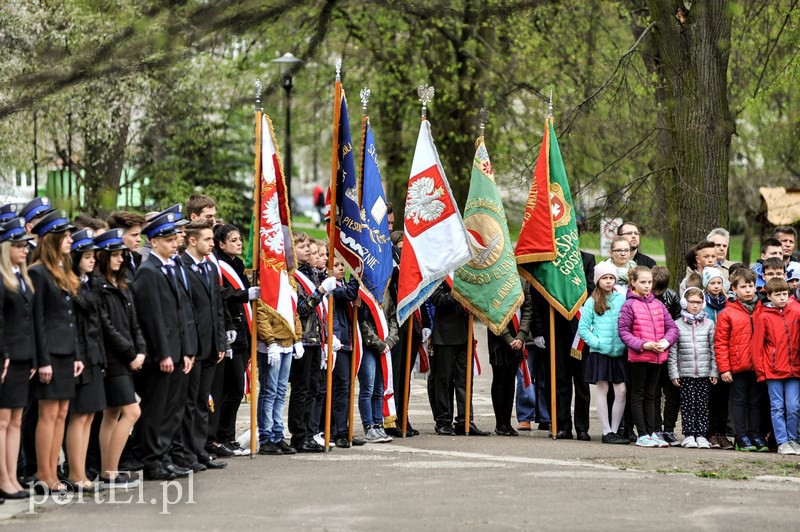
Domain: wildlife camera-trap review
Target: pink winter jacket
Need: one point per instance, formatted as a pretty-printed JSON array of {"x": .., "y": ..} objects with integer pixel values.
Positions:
[{"x": 643, "y": 320}]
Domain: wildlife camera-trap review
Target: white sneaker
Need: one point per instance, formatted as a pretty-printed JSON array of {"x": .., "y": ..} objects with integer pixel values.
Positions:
[
  {"x": 646, "y": 441},
  {"x": 690, "y": 443},
  {"x": 703, "y": 443},
  {"x": 382, "y": 432},
  {"x": 373, "y": 436},
  {"x": 319, "y": 439},
  {"x": 660, "y": 442},
  {"x": 786, "y": 448},
  {"x": 795, "y": 446}
]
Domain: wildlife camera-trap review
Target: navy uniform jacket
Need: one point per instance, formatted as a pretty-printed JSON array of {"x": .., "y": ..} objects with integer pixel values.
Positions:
[
  {"x": 157, "y": 298},
  {"x": 17, "y": 337},
  {"x": 207, "y": 303},
  {"x": 53, "y": 318},
  {"x": 450, "y": 319}
]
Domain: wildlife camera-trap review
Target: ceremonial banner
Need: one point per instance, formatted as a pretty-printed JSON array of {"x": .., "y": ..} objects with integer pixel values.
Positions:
[
  {"x": 536, "y": 240},
  {"x": 561, "y": 281},
  {"x": 435, "y": 239},
  {"x": 488, "y": 285},
  {"x": 347, "y": 232},
  {"x": 276, "y": 256}
]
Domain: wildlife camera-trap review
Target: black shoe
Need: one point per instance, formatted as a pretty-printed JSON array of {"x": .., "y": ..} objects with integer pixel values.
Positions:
[
  {"x": 178, "y": 471},
  {"x": 269, "y": 448},
  {"x": 564, "y": 435},
  {"x": 473, "y": 430},
  {"x": 411, "y": 431},
  {"x": 342, "y": 443},
  {"x": 395, "y": 432},
  {"x": 158, "y": 473},
  {"x": 131, "y": 465},
  {"x": 22, "y": 494},
  {"x": 543, "y": 426},
  {"x": 197, "y": 467},
  {"x": 310, "y": 446},
  {"x": 215, "y": 464},
  {"x": 285, "y": 448},
  {"x": 218, "y": 449},
  {"x": 445, "y": 430},
  {"x": 504, "y": 430},
  {"x": 358, "y": 442},
  {"x": 584, "y": 436}
]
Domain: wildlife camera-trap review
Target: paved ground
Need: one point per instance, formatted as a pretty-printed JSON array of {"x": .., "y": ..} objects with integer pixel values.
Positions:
[{"x": 446, "y": 483}]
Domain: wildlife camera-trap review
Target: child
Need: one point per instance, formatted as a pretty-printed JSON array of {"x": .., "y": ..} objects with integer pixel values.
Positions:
[
  {"x": 692, "y": 367},
  {"x": 670, "y": 394},
  {"x": 776, "y": 339},
  {"x": 772, "y": 268},
  {"x": 732, "y": 348},
  {"x": 714, "y": 286},
  {"x": 648, "y": 331},
  {"x": 771, "y": 247},
  {"x": 606, "y": 364}
]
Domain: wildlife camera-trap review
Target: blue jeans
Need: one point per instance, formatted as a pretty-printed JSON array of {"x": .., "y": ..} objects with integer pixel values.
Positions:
[
  {"x": 370, "y": 393},
  {"x": 272, "y": 381},
  {"x": 526, "y": 397},
  {"x": 784, "y": 406}
]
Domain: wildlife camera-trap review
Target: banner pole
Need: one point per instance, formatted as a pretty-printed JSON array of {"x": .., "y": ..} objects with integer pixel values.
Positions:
[
  {"x": 337, "y": 96},
  {"x": 470, "y": 355},
  {"x": 354, "y": 321},
  {"x": 255, "y": 247},
  {"x": 407, "y": 375},
  {"x": 553, "y": 416}
]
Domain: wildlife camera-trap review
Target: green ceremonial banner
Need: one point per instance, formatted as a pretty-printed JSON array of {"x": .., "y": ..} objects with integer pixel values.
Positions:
[
  {"x": 561, "y": 281},
  {"x": 488, "y": 285}
]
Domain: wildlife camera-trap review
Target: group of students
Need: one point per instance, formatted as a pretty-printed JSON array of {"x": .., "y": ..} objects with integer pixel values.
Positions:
[
  {"x": 733, "y": 335},
  {"x": 91, "y": 320},
  {"x": 138, "y": 353}
]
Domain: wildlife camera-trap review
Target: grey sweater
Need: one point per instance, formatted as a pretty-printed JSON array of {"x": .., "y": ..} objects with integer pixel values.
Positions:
[{"x": 693, "y": 354}]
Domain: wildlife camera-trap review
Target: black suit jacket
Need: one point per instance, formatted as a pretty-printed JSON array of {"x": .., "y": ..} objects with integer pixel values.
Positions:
[
  {"x": 643, "y": 260},
  {"x": 158, "y": 306},
  {"x": 450, "y": 320},
  {"x": 17, "y": 336},
  {"x": 209, "y": 317},
  {"x": 53, "y": 318}
]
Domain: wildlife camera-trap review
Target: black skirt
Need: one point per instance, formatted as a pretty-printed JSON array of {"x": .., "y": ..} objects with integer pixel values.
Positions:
[
  {"x": 119, "y": 391},
  {"x": 601, "y": 367},
  {"x": 90, "y": 397},
  {"x": 62, "y": 385},
  {"x": 15, "y": 389}
]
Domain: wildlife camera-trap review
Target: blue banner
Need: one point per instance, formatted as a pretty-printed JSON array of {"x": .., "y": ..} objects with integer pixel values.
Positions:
[{"x": 348, "y": 213}]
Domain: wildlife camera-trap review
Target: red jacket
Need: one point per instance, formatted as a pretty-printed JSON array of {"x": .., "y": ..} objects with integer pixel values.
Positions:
[
  {"x": 733, "y": 338},
  {"x": 776, "y": 340}
]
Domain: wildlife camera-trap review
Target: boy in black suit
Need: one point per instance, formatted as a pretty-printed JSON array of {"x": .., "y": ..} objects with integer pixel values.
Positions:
[
  {"x": 158, "y": 297},
  {"x": 212, "y": 343}
]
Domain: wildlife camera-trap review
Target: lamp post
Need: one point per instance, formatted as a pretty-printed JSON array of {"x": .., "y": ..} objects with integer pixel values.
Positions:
[{"x": 288, "y": 62}]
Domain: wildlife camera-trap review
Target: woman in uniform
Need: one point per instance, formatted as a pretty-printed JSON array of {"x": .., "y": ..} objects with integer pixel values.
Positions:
[{"x": 58, "y": 358}]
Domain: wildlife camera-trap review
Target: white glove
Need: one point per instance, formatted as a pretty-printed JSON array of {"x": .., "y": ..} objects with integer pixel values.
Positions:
[
  {"x": 253, "y": 293},
  {"x": 298, "y": 351},
  {"x": 337, "y": 344},
  {"x": 539, "y": 342},
  {"x": 323, "y": 363},
  {"x": 328, "y": 284},
  {"x": 663, "y": 343},
  {"x": 273, "y": 354},
  {"x": 229, "y": 353},
  {"x": 426, "y": 333},
  {"x": 231, "y": 336}
]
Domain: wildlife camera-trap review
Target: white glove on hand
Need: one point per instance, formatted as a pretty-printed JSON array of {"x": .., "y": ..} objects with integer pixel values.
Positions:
[
  {"x": 231, "y": 336},
  {"x": 229, "y": 353},
  {"x": 426, "y": 333},
  {"x": 323, "y": 363},
  {"x": 328, "y": 284},
  {"x": 273, "y": 354},
  {"x": 539, "y": 342},
  {"x": 337, "y": 344},
  {"x": 253, "y": 293},
  {"x": 298, "y": 351}
]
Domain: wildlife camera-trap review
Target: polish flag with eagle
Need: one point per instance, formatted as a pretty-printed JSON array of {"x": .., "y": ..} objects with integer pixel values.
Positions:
[{"x": 435, "y": 240}]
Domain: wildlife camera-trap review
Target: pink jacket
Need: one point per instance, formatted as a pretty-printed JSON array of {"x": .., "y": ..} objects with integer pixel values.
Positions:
[{"x": 643, "y": 320}]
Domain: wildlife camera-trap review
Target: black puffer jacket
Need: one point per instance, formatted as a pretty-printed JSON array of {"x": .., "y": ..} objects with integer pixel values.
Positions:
[
  {"x": 122, "y": 336},
  {"x": 235, "y": 299}
]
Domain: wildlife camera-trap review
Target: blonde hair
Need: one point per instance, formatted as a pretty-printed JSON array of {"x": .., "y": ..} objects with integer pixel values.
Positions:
[
  {"x": 7, "y": 269},
  {"x": 48, "y": 252}
]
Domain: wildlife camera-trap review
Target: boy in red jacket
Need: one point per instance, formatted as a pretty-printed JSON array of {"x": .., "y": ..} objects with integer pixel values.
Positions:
[
  {"x": 776, "y": 339},
  {"x": 732, "y": 348}
]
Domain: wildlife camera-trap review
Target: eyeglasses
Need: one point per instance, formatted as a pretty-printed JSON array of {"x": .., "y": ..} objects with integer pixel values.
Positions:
[
  {"x": 692, "y": 302},
  {"x": 630, "y": 233},
  {"x": 620, "y": 251}
]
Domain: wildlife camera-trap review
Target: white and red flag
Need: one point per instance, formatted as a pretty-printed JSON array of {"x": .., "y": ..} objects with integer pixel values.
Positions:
[
  {"x": 275, "y": 252},
  {"x": 435, "y": 241}
]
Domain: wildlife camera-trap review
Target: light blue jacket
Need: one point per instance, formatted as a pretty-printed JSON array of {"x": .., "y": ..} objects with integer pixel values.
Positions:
[{"x": 600, "y": 332}]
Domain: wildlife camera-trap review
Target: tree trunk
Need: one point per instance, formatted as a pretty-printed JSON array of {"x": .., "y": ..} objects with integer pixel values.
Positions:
[{"x": 693, "y": 48}]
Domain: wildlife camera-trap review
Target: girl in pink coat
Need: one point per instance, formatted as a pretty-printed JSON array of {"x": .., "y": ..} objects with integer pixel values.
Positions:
[{"x": 646, "y": 327}]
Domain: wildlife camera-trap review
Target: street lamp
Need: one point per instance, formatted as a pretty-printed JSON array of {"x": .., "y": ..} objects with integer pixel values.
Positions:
[{"x": 288, "y": 62}]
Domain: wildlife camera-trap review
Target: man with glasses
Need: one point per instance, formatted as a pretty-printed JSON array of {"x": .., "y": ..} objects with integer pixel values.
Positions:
[{"x": 631, "y": 233}]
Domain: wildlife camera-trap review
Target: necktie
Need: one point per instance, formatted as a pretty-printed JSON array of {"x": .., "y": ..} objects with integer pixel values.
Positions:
[
  {"x": 22, "y": 284},
  {"x": 204, "y": 270}
]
